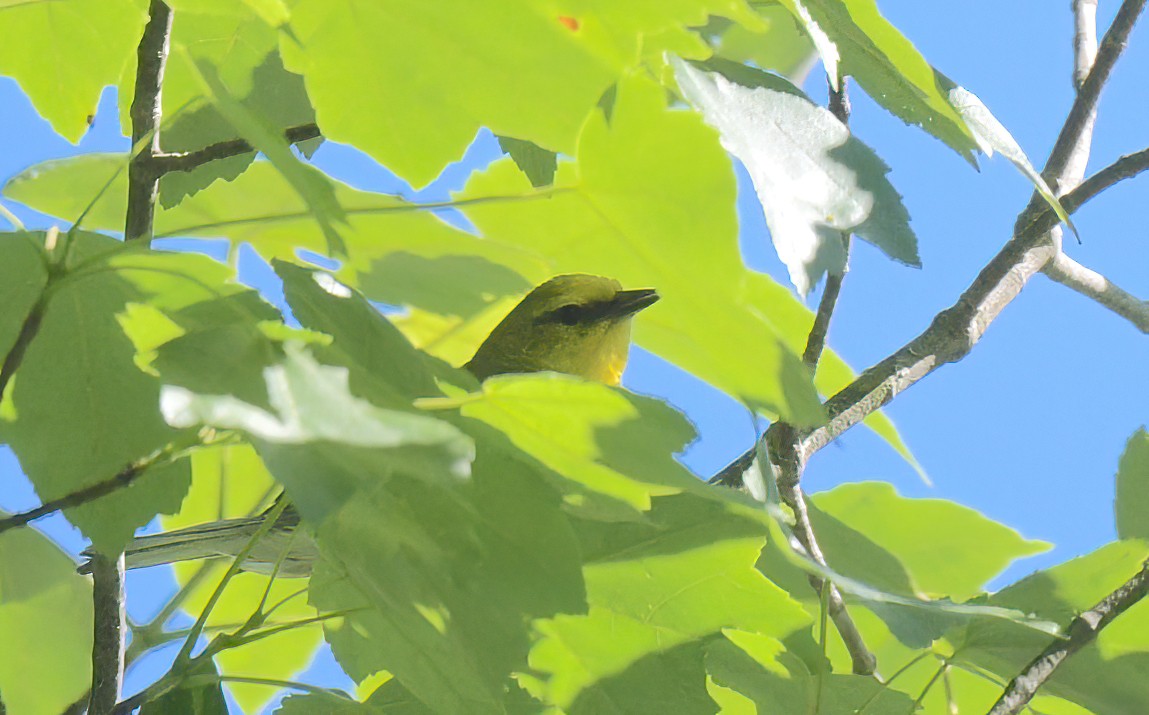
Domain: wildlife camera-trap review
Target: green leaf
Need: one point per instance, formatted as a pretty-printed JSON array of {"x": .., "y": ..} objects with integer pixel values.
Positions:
[
  {"x": 202, "y": 698},
  {"x": 65, "y": 187},
  {"x": 231, "y": 481},
  {"x": 670, "y": 681},
  {"x": 535, "y": 79},
  {"x": 79, "y": 409},
  {"x": 426, "y": 563},
  {"x": 774, "y": 680},
  {"x": 947, "y": 549},
  {"x": 277, "y": 97},
  {"x": 991, "y": 135},
  {"x": 313, "y": 703},
  {"x": 1131, "y": 502},
  {"x": 313, "y": 408},
  {"x": 311, "y": 185},
  {"x": 815, "y": 181},
  {"x": 228, "y": 35},
  {"x": 89, "y": 44},
  {"x": 537, "y": 163},
  {"x": 781, "y": 46},
  {"x": 347, "y": 44},
  {"x": 605, "y": 439},
  {"x": 784, "y": 565},
  {"x": 24, "y": 269},
  {"x": 394, "y": 244},
  {"x": 647, "y": 187},
  {"x": 445, "y": 583},
  {"x": 684, "y": 574},
  {"x": 890, "y": 68},
  {"x": 45, "y": 624},
  {"x": 384, "y": 367},
  {"x": 1102, "y": 683}
]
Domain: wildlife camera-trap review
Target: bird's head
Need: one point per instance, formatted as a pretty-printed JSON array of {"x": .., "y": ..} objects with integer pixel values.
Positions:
[{"x": 576, "y": 324}]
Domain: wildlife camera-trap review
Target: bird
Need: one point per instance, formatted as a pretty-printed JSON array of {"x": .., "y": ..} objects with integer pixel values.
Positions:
[{"x": 577, "y": 324}]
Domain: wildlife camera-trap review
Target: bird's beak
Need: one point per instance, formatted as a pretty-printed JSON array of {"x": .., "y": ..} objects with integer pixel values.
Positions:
[{"x": 628, "y": 302}]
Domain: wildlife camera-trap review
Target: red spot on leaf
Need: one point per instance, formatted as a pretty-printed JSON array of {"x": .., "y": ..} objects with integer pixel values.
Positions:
[{"x": 569, "y": 22}]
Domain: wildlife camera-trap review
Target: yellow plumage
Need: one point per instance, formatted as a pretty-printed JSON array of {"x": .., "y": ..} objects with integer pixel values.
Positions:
[{"x": 576, "y": 324}]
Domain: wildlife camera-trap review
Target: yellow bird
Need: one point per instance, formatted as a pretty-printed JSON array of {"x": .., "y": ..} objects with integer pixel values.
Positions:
[{"x": 576, "y": 324}]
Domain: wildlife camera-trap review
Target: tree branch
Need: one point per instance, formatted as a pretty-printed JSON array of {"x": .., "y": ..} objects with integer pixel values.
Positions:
[
  {"x": 123, "y": 478},
  {"x": 946, "y": 340},
  {"x": 1082, "y": 631},
  {"x": 1084, "y": 57},
  {"x": 1126, "y": 167},
  {"x": 109, "y": 627},
  {"x": 816, "y": 340},
  {"x": 147, "y": 108},
  {"x": 108, "y": 630},
  {"x": 1084, "y": 39},
  {"x": 168, "y": 162},
  {"x": 1079, "y": 121},
  {"x": 1091, "y": 284},
  {"x": 787, "y": 472}
]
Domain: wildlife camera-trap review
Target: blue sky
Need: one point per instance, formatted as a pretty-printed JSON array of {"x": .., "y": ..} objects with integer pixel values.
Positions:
[{"x": 1027, "y": 429}]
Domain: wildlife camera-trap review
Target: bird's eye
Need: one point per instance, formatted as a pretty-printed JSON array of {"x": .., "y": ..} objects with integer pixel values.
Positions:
[{"x": 568, "y": 314}]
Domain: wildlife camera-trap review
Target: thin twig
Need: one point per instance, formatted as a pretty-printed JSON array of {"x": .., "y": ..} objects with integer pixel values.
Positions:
[
  {"x": 1084, "y": 39},
  {"x": 1084, "y": 57},
  {"x": 1091, "y": 284},
  {"x": 946, "y": 340},
  {"x": 108, "y": 630},
  {"x": 839, "y": 106},
  {"x": 123, "y": 478},
  {"x": 1082, "y": 631},
  {"x": 1126, "y": 167},
  {"x": 1085, "y": 104},
  {"x": 146, "y": 111},
  {"x": 786, "y": 468},
  {"x": 788, "y": 471},
  {"x": 186, "y": 161},
  {"x": 816, "y": 340}
]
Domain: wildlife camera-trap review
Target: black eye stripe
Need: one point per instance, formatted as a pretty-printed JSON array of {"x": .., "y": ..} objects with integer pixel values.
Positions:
[{"x": 575, "y": 313}]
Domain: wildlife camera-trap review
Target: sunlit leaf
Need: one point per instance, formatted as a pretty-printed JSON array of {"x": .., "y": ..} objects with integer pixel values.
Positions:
[
  {"x": 89, "y": 44},
  {"x": 536, "y": 78},
  {"x": 992, "y": 136},
  {"x": 45, "y": 624},
  {"x": 276, "y": 97},
  {"x": 652, "y": 586},
  {"x": 1090, "y": 679},
  {"x": 651, "y": 203},
  {"x": 774, "y": 680},
  {"x": 890, "y": 69},
  {"x": 815, "y": 181},
  {"x": 80, "y": 409},
  {"x": 1132, "y": 500},
  {"x": 605, "y": 439},
  {"x": 25, "y": 274},
  {"x": 231, "y": 481},
  {"x": 947, "y": 549},
  {"x": 781, "y": 46}
]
